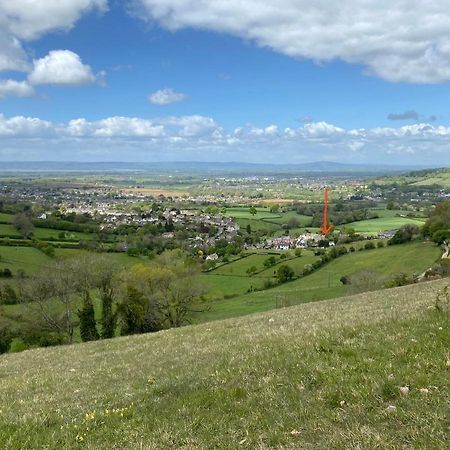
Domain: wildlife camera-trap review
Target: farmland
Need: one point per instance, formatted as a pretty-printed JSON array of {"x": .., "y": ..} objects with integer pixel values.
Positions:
[
  {"x": 325, "y": 282},
  {"x": 383, "y": 224}
]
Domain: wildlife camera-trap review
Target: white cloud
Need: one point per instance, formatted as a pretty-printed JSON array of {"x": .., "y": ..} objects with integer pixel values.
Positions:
[
  {"x": 26, "y": 20},
  {"x": 25, "y": 127},
  {"x": 61, "y": 67},
  {"x": 30, "y": 19},
  {"x": 166, "y": 97},
  {"x": 399, "y": 41},
  {"x": 202, "y": 138},
  {"x": 15, "y": 88},
  {"x": 12, "y": 55}
]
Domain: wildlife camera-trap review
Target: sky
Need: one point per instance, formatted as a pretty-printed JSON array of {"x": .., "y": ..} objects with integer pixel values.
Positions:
[{"x": 225, "y": 80}]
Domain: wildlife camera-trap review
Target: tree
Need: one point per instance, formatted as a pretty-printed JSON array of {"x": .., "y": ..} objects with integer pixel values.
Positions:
[
  {"x": 253, "y": 210},
  {"x": 275, "y": 209},
  {"x": 405, "y": 234},
  {"x": 252, "y": 270},
  {"x": 159, "y": 296},
  {"x": 438, "y": 220},
  {"x": 270, "y": 261},
  {"x": 285, "y": 273},
  {"x": 23, "y": 225},
  {"x": 293, "y": 222},
  {"x": 88, "y": 325},
  {"x": 248, "y": 228},
  {"x": 390, "y": 205}
]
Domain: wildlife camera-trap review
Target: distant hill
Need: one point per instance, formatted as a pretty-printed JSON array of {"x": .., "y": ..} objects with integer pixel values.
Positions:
[
  {"x": 215, "y": 167},
  {"x": 426, "y": 177},
  {"x": 368, "y": 371}
]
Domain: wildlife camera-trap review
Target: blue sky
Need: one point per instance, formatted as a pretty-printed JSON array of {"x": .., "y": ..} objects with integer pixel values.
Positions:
[{"x": 159, "y": 80}]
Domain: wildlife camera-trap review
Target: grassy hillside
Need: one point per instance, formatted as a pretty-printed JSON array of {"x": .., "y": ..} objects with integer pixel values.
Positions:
[{"x": 319, "y": 375}]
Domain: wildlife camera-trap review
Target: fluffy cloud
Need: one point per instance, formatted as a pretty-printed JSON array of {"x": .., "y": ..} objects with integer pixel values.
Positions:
[
  {"x": 399, "y": 41},
  {"x": 29, "y": 19},
  {"x": 15, "y": 88},
  {"x": 61, "y": 67},
  {"x": 202, "y": 138},
  {"x": 166, "y": 97},
  {"x": 25, "y": 20}
]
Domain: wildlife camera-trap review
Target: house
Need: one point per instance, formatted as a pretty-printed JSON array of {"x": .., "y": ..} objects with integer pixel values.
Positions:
[{"x": 212, "y": 257}]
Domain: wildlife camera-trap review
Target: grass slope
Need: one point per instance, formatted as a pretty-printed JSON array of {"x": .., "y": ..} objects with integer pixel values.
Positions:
[{"x": 319, "y": 375}]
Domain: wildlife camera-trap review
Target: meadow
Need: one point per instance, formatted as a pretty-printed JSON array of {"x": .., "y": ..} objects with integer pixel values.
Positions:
[
  {"x": 330, "y": 374},
  {"x": 30, "y": 259},
  {"x": 382, "y": 224}
]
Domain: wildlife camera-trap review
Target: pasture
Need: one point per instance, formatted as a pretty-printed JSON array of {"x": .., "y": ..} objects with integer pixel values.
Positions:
[
  {"x": 325, "y": 282},
  {"x": 382, "y": 224}
]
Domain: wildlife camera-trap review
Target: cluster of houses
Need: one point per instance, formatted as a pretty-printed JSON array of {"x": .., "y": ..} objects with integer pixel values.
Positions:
[{"x": 288, "y": 242}]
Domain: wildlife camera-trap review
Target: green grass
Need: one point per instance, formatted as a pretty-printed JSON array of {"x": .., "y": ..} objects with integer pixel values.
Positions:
[
  {"x": 244, "y": 213},
  {"x": 31, "y": 259},
  {"x": 325, "y": 283},
  {"x": 382, "y": 224},
  {"x": 46, "y": 233},
  {"x": 219, "y": 286},
  {"x": 28, "y": 259},
  {"x": 6, "y": 217},
  {"x": 258, "y": 225},
  {"x": 319, "y": 375}
]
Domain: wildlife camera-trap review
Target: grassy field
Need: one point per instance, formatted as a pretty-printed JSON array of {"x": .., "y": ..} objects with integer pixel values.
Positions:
[
  {"x": 30, "y": 259},
  {"x": 258, "y": 225},
  {"x": 325, "y": 283},
  {"x": 244, "y": 213},
  {"x": 382, "y": 224},
  {"x": 232, "y": 279},
  {"x": 6, "y": 217},
  {"x": 319, "y": 375},
  {"x": 46, "y": 233}
]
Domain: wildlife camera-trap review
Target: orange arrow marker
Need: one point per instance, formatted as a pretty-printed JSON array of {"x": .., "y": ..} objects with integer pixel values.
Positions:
[{"x": 325, "y": 228}]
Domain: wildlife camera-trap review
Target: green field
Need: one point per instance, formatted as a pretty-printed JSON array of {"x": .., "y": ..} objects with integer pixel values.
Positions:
[
  {"x": 244, "y": 213},
  {"x": 47, "y": 233},
  {"x": 232, "y": 279},
  {"x": 30, "y": 259},
  {"x": 325, "y": 283},
  {"x": 258, "y": 225},
  {"x": 382, "y": 224},
  {"x": 323, "y": 375},
  {"x": 6, "y": 217}
]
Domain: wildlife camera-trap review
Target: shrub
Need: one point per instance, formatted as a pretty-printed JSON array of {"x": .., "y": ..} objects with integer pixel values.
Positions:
[
  {"x": 285, "y": 273},
  {"x": 369, "y": 245},
  {"x": 17, "y": 345}
]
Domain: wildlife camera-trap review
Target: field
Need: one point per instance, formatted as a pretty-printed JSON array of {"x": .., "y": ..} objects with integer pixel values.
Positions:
[
  {"x": 244, "y": 213},
  {"x": 30, "y": 259},
  {"x": 382, "y": 224},
  {"x": 46, "y": 233},
  {"x": 233, "y": 279},
  {"x": 325, "y": 283},
  {"x": 315, "y": 376}
]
